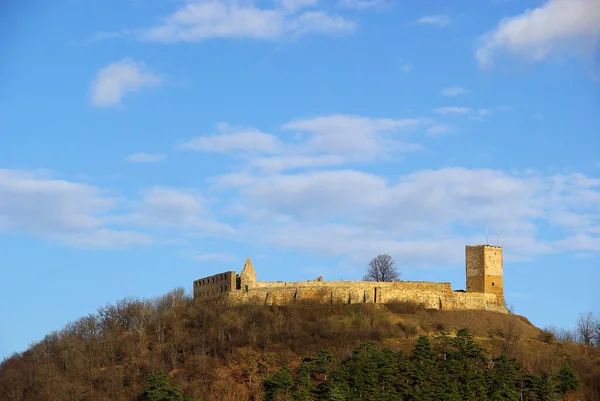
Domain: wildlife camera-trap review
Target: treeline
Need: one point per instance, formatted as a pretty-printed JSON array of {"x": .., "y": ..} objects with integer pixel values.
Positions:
[
  {"x": 586, "y": 331},
  {"x": 451, "y": 369},
  {"x": 211, "y": 351}
]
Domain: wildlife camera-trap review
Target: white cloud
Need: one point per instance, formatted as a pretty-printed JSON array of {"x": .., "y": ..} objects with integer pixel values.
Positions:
[
  {"x": 453, "y": 110},
  {"x": 358, "y": 245},
  {"x": 145, "y": 157},
  {"x": 581, "y": 243},
  {"x": 440, "y": 129},
  {"x": 234, "y": 139},
  {"x": 300, "y": 193},
  {"x": 423, "y": 217},
  {"x": 109, "y": 239},
  {"x": 101, "y": 36},
  {"x": 180, "y": 209},
  {"x": 117, "y": 79},
  {"x": 37, "y": 204},
  {"x": 355, "y": 136},
  {"x": 436, "y": 20},
  {"x": 454, "y": 91},
  {"x": 347, "y": 212},
  {"x": 556, "y": 27},
  {"x": 362, "y": 5},
  {"x": 33, "y": 203},
  {"x": 317, "y": 22},
  {"x": 280, "y": 163},
  {"x": 232, "y": 180},
  {"x": 168, "y": 207},
  {"x": 84, "y": 216},
  {"x": 323, "y": 141},
  {"x": 295, "y": 5},
  {"x": 200, "y": 20},
  {"x": 574, "y": 203}
]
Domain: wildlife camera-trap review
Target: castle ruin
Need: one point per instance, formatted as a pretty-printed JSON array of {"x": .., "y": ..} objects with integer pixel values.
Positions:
[{"x": 484, "y": 291}]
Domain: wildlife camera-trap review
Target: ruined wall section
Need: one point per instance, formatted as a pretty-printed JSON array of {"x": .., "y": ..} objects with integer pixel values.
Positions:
[
  {"x": 347, "y": 292},
  {"x": 477, "y": 301},
  {"x": 214, "y": 286},
  {"x": 431, "y": 295},
  {"x": 247, "y": 278}
]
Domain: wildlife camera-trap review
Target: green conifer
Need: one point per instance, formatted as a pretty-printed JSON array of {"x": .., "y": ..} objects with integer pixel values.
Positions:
[{"x": 566, "y": 379}]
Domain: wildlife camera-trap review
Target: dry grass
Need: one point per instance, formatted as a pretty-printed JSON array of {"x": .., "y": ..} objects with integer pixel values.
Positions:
[{"x": 223, "y": 352}]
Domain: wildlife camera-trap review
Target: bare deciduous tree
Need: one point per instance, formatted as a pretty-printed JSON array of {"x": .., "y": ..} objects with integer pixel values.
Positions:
[
  {"x": 597, "y": 332},
  {"x": 585, "y": 327},
  {"x": 382, "y": 268}
]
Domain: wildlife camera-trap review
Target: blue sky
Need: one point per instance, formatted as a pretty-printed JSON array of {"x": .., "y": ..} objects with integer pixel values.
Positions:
[{"x": 145, "y": 144}]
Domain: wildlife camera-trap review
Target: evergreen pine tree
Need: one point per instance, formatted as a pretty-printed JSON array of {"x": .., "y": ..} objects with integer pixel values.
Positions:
[
  {"x": 547, "y": 389},
  {"x": 387, "y": 374},
  {"x": 160, "y": 389},
  {"x": 530, "y": 387},
  {"x": 502, "y": 379},
  {"x": 303, "y": 383},
  {"x": 279, "y": 385},
  {"x": 423, "y": 371},
  {"x": 468, "y": 364},
  {"x": 332, "y": 392},
  {"x": 361, "y": 370},
  {"x": 566, "y": 379}
]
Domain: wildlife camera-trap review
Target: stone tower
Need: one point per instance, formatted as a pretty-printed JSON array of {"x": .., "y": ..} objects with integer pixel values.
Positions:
[{"x": 484, "y": 270}]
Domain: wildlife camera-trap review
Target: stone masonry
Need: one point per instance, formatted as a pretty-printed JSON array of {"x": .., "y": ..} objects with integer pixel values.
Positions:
[{"x": 485, "y": 290}]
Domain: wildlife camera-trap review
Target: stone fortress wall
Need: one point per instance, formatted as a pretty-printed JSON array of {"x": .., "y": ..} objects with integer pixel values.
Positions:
[{"x": 485, "y": 290}]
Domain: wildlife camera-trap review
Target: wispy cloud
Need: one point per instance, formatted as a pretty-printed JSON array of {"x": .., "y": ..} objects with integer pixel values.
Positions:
[
  {"x": 454, "y": 91},
  {"x": 145, "y": 157},
  {"x": 297, "y": 210},
  {"x": 38, "y": 204},
  {"x": 440, "y": 129},
  {"x": 295, "y": 5},
  {"x": 322, "y": 141},
  {"x": 362, "y": 5},
  {"x": 117, "y": 79},
  {"x": 308, "y": 194},
  {"x": 440, "y": 21},
  {"x": 201, "y": 20},
  {"x": 569, "y": 27},
  {"x": 353, "y": 136},
  {"x": 238, "y": 139},
  {"x": 453, "y": 110}
]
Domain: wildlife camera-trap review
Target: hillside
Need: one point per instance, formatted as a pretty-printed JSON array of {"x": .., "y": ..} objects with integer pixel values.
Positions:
[{"x": 218, "y": 352}]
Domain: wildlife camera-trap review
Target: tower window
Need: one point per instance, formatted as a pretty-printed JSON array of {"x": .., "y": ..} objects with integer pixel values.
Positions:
[{"x": 492, "y": 284}]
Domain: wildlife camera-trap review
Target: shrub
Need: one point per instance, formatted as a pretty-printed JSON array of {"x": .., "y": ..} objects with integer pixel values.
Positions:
[
  {"x": 547, "y": 335},
  {"x": 410, "y": 331},
  {"x": 404, "y": 307}
]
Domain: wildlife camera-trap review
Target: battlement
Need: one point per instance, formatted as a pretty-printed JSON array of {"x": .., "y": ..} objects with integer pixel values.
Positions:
[{"x": 484, "y": 290}]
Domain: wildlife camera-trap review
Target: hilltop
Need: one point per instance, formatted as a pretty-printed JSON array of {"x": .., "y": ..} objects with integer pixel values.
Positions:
[{"x": 215, "y": 351}]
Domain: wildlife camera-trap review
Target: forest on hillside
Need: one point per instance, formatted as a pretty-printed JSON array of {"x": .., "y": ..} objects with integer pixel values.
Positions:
[{"x": 172, "y": 348}]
